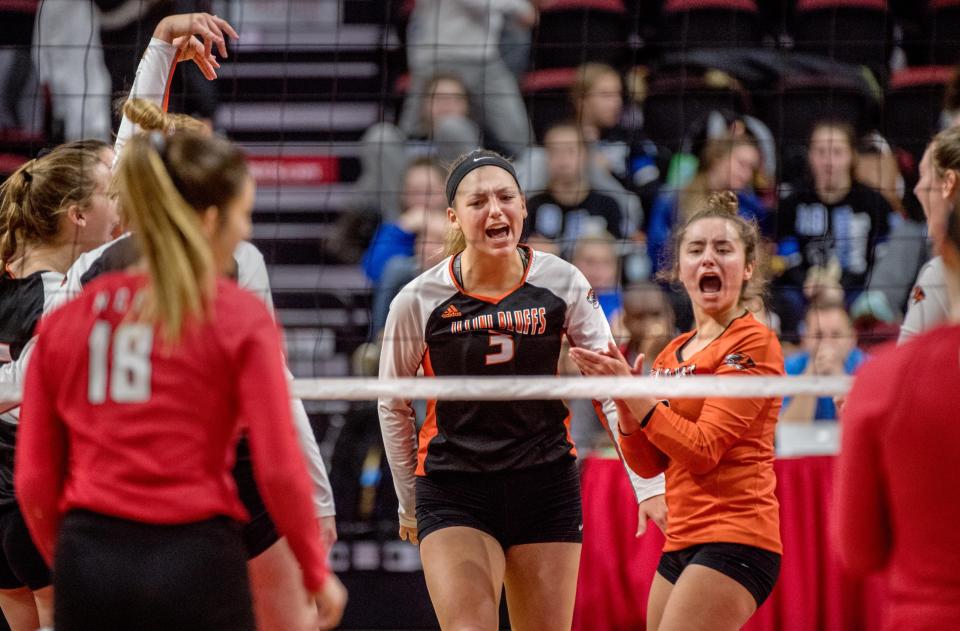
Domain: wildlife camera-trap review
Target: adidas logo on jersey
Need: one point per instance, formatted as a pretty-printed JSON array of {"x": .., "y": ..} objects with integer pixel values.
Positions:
[{"x": 451, "y": 312}]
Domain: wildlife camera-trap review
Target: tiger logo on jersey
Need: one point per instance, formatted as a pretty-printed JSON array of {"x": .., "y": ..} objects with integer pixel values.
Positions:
[
  {"x": 918, "y": 294},
  {"x": 739, "y": 361},
  {"x": 592, "y": 298}
]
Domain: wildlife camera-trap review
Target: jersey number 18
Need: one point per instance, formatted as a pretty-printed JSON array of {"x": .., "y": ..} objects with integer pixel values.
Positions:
[{"x": 129, "y": 379}]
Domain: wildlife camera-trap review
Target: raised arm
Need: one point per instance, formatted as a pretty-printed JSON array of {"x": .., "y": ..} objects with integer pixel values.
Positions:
[{"x": 587, "y": 328}]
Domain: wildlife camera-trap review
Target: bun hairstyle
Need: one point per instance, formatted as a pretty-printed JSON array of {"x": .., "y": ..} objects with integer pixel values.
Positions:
[
  {"x": 722, "y": 205},
  {"x": 150, "y": 117}
]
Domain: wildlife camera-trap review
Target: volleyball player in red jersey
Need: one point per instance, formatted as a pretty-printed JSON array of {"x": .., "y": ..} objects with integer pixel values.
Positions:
[
  {"x": 492, "y": 492},
  {"x": 146, "y": 381},
  {"x": 896, "y": 509},
  {"x": 722, "y": 554}
]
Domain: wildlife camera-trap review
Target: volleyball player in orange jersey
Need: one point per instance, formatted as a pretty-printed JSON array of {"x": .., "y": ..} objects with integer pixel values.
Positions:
[{"x": 722, "y": 554}]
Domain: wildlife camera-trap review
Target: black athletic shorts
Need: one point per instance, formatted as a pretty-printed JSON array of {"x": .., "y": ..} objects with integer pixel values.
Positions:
[
  {"x": 754, "y": 568},
  {"x": 115, "y": 574},
  {"x": 21, "y": 563},
  {"x": 537, "y": 505},
  {"x": 260, "y": 532}
]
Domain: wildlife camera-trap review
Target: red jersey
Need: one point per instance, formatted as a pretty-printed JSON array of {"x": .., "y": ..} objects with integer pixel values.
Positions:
[
  {"x": 717, "y": 452},
  {"x": 895, "y": 506},
  {"x": 117, "y": 421}
]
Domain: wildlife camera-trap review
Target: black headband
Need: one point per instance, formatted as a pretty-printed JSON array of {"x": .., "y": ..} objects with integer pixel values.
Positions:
[{"x": 475, "y": 160}]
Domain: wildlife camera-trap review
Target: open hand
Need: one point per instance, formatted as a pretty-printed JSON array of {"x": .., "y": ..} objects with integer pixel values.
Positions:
[{"x": 182, "y": 31}]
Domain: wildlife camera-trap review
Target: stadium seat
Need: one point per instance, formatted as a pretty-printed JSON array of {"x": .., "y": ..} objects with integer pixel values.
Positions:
[
  {"x": 798, "y": 102},
  {"x": 571, "y": 33},
  {"x": 943, "y": 31},
  {"x": 691, "y": 24},
  {"x": 676, "y": 100},
  {"x": 547, "y": 95},
  {"x": 912, "y": 107},
  {"x": 851, "y": 31}
]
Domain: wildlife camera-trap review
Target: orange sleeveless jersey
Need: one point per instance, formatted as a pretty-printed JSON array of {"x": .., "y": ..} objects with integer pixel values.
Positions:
[{"x": 717, "y": 452}]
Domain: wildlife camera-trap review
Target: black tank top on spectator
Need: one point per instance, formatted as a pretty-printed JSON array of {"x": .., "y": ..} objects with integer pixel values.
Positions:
[{"x": 810, "y": 233}]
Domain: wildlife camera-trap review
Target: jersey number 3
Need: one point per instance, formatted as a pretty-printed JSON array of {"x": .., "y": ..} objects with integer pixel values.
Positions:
[
  {"x": 130, "y": 366},
  {"x": 504, "y": 349}
]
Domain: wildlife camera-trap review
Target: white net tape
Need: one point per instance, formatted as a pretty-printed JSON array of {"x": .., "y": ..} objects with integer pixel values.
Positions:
[{"x": 526, "y": 388}]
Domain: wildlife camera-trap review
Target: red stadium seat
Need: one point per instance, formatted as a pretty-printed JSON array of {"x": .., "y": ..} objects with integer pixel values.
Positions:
[
  {"x": 911, "y": 109},
  {"x": 851, "y": 31},
  {"x": 675, "y": 101},
  {"x": 547, "y": 95},
  {"x": 571, "y": 33},
  {"x": 691, "y": 24}
]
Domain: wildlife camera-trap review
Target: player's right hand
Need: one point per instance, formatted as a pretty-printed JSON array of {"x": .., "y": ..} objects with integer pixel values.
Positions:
[
  {"x": 331, "y": 600},
  {"x": 409, "y": 534},
  {"x": 180, "y": 30},
  {"x": 654, "y": 508}
]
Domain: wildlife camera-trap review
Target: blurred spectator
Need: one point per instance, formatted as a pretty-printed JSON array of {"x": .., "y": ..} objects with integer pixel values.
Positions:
[
  {"x": 623, "y": 160},
  {"x": 68, "y": 56},
  {"x": 400, "y": 270},
  {"x": 448, "y": 132},
  {"x": 898, "y": 259},
  {"x": 463, "y": 36},
  {"x": 950, "y": 116},
  {"x": 16, "y": 28},
  {"x": 422, "y": 197},
  {"x": 645, "y": 323},
  {"x": 829, "y": 345},
  {"x": 595, "y": 254},
  {"x": 833, "y": 218},
  {"x": 570, "y": 207},
  {"x": 728, "y": 163}
]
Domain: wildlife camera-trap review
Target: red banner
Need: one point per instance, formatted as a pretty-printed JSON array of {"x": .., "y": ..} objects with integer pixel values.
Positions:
[{"x": 294, "y": 170}]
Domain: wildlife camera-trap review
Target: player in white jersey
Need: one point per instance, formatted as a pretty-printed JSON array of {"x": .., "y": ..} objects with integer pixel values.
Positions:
[
  {"x": 937, "y": 191},
  {"x": 492, "y": 491}
]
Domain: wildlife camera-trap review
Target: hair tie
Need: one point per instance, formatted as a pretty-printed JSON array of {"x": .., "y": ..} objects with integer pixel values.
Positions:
[{"x": 158, "y": 141}]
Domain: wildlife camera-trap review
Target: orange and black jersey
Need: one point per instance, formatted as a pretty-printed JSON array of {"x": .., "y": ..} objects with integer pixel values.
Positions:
[{"x": 437, "y": 326}]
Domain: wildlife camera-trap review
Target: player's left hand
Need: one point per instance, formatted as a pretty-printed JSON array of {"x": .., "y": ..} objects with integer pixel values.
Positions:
[
  {"x": 328, "y": 530},
  {"x": 607, "y": 364}
]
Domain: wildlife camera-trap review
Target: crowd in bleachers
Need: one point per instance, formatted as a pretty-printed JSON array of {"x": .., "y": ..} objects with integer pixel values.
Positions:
[{"x": 628, "y": 114}]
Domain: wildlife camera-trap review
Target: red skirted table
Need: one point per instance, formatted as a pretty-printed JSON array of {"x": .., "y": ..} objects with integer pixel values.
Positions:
[{"x": 812, "y": 594}]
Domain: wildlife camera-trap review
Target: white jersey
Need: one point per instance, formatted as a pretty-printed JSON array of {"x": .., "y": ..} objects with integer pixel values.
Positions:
[
  {"x": 929, "y": 304},
  {"x": 436, "y": 326}
]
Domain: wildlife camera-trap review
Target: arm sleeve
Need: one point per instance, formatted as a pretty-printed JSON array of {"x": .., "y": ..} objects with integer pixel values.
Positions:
[
  {"x": 252, "y": 276},
  {"x": 929, "y": 304},
  {"x": 400, "y": 356},
  {"x": 862, "y": 529},
  {"x": 587, "y": 327},
  {"x": 264, "y": 402},
  {"x": 699, "y": 444},
  {"x": 639, "y": 453},
  {"x": 152, "y": 82},
  {"x": 14, "y": 373},
  {"x": 41, "y": 458},
  {"x": 510, "y": 7}
]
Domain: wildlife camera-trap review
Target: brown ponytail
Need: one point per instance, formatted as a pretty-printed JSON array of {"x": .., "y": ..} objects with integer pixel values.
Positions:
[
  {"x": 150, "y": 117},
  {"x": 33, "y": 199}
]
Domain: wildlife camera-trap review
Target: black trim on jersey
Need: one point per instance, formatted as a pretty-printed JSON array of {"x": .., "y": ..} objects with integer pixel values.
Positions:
[
  {"x": 680, "y": 348},
  {"x": 522, "y": 250},
  {"x": 121, "y": 255}
]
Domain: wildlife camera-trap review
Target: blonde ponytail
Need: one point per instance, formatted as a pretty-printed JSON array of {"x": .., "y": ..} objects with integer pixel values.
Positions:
[{"x": 182, "y": 275}]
